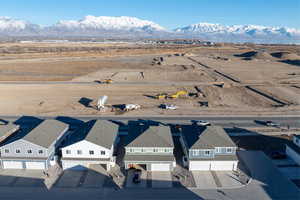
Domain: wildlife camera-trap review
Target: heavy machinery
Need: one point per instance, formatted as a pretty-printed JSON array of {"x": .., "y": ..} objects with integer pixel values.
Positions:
[
  {"x": 131, "y": 107},
  {"x": 181, "y": 93},
  {"x": 101, "y": 102},
  {"x": 161, "y": 96},
  {"x": 105, "y": 81}
]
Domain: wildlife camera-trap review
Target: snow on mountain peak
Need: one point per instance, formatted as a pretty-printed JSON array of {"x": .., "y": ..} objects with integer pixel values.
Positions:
[{"x": 109, "y": 23}]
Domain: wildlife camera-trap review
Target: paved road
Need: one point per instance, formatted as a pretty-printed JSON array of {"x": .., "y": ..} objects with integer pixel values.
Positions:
[{"x": 230, "y": 121}]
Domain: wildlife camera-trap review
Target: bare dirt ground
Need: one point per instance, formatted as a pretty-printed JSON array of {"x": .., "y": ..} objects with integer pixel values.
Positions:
[{"x": 139, "y": 72}]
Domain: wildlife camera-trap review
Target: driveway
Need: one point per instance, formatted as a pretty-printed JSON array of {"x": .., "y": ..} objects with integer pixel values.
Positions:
[
  {"x": 143, "y": 177},
  {"x": 161, "y": 180},
  {"x": 204, "y": 180},
  {"x": 21, "y": 178},
  {"x": 71, "y": 179},
  {"x": 228, "y": 179}
]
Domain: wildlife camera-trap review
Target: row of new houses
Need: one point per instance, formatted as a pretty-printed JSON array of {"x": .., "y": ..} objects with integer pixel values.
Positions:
[{"x": 96, "y": 142}]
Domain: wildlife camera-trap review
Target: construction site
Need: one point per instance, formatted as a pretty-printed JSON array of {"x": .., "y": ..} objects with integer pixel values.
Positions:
[{"x": 145, "y": 79}]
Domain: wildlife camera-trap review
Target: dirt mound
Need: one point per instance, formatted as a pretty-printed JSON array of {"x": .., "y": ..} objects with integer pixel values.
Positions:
[
  {"x": 285, "y": 55},
  {"x": 254, "y": 55}
]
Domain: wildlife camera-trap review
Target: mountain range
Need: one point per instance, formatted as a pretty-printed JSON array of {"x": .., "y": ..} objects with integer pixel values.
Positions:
[{"x": 134, "y": 28}]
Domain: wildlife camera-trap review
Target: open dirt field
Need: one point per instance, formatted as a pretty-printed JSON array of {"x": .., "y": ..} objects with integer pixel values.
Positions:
[{"x": 230, "y": 79}]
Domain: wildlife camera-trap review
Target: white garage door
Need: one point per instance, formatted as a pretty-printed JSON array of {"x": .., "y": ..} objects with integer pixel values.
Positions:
[
  {"x": 160, "y": 167},
  {"x": 12, "y": 165},
  {"x": 35, "y": 165},
  {"x": 199, "y": 166},
  {"x": 73, "y": 165},
  {"x": 222, "y": 166}
]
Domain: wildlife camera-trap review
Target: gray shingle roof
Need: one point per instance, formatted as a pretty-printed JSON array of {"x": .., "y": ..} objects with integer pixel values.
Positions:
[
  {"x": 7, "y": 130},
  {"x": 209, "y": 138},
  {"x": 149, "y": 136},
  {"x": 46, "y": 133},
  {"x": 103, "y": 133}
]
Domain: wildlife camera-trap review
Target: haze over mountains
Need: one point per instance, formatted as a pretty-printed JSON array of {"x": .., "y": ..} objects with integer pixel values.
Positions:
[{"x": 134, "y": 28}]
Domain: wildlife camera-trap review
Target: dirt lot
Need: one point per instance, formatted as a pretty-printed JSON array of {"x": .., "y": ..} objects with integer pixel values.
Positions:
[{"x": 220, "y": 76}]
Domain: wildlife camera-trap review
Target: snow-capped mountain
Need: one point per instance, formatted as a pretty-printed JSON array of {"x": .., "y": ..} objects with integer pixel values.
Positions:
[
  {"x": 134, "y": 28},
  {"x": 239, "y": 33},
  {"x": 9, "y": 26},
  {"x": 108, "y": 23}
]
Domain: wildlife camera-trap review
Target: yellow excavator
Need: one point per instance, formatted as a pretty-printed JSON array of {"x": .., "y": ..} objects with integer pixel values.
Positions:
[
  {"x": 105, "y": 81},
  {"x": 161, "y": 96},
  {"x": 178, "y": 94}
]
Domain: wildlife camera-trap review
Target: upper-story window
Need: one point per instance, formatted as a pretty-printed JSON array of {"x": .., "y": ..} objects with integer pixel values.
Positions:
[
  {"x": 79, "y": 152},
  {"x": 6, "y": 150},
  {"x": 206, "y": 152},
  {"x": 29, "y": 151},
  {"x": 195, "y": 153},
  {"x": 18, "y": 151},
  {"x": 131, "y": 150},
  {"x": 229, "y": 150},
  {"x": 41, "y": 151},
  {"x": 91, "y": 152},
  {"x": 68, "y": 151},
  {"x": 155, "y": 150}
]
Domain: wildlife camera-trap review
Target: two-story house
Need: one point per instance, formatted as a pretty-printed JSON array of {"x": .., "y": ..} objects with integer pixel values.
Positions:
[
  {"x": 293, "y": 150},
  {"x": 150, "y": 147},
  {"x": 34, "y": 149},
  {"x": 93, "y": 144},
  {"x": 208, "y": 148}
]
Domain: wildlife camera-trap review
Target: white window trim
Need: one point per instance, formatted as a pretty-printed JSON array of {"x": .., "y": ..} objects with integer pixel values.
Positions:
[{"x": 18, "y": 150}]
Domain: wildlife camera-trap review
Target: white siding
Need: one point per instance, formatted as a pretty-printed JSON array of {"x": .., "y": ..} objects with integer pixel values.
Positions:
[
  {"x": 12, "y": 165},
  {"x": 213, "y": 165},
  {"x": 160, "y": 167},
  {"x": 223, "y": 165},
  {"x": 35, "y": 165},
  {"x": 199, "y": 165},
  {"x": 85, "y": 147}
]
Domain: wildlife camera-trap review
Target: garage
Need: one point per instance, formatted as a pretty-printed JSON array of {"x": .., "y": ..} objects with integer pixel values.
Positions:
[
  {"x": 223, "y": 165},
  {"x": 160, "y": 167},
  {"x": 12, "y": 164},
  {"x": 199, "y": 166},
  {"x": 35, "y": 165},
  {"x": 80, "y": 165}
]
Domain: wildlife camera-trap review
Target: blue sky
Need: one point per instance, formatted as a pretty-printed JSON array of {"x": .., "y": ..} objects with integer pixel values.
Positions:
[{"x": 168, "y": 13}]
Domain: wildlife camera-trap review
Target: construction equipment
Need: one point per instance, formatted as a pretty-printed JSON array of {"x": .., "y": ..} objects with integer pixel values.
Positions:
[
  {"x": 101, "y": 102},
  {"x": 181, "y": 93},
  {"x": 161, "y": 96},
  {"x": 132, "y": 107},
  {"x": 105, "y": 81}
]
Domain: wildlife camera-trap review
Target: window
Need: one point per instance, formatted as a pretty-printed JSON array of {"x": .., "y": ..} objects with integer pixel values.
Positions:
[
  {"x": 79, "y": 152},
  {"x": 40, "y": 151},
  {"x": 195, "y": 152},
  {"x": 91, "y": 152},
  {"x": 6, "y": 150},
  {"x": 68, "y": 151},
  {"x": 155, "y": 150},
  {"x": 206, "y": 152},
  {"x": 131, "y": 150},
  {"x": 228, "y": 150},
  {"x": 297, "y": 141},
  {"x": 217, "y": 150},
  {"x": 102, "y": 152},
  {"x": 18, "y": 151},
  {"x": 29, "y": 151}
]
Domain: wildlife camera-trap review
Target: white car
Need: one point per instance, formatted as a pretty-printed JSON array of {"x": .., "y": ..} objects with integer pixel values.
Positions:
[
  {"x": 169, "y": 107},
  {"x": 203, "y": 123}
]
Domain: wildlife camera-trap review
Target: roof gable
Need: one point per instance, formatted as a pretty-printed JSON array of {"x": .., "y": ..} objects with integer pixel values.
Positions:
[{"x": 149, "y": 136}]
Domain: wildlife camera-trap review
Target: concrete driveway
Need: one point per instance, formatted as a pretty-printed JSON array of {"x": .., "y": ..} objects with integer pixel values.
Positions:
[
  {"x": 204, "y": 180},
  {"x": 131, "y": 184},
  {"x": 71, "y": 179},
  {"x": 94, "y": 179},
  {"x": 161, "y": 180},
  {"x": 228, "y": 179},
  {"x": 21, "y": 178}
]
